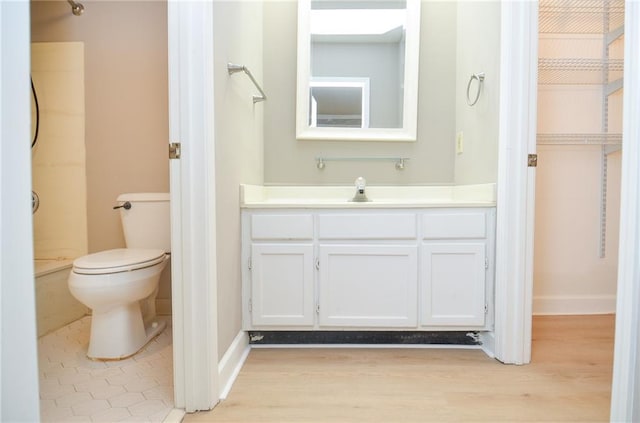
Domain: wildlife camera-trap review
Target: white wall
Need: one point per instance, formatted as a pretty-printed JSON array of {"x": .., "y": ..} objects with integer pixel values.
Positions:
[
  {"x": 239, "y": 154},
  {"x": 478, "y": 41},
  {"x": 570, "y": 277},
  {"x": 289, "y": 161}
]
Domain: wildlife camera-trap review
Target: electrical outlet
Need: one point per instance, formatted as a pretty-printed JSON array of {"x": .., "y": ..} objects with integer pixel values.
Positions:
[{"x": 460, "y": 143}]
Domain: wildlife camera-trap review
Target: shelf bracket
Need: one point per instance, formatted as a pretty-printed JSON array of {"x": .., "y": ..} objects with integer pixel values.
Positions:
[
  {"x": 614, "y": 86},
  {"x": 614, "y": 35}
]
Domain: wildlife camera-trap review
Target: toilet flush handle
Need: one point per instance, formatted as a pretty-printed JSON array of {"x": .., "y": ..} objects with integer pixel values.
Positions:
[{"x": 126, "y": 205}]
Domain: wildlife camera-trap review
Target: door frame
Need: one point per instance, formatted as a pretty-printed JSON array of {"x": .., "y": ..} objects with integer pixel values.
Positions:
[
  {"x": 193, "y": 205},
  {"x": 625, "y": 392},
  {"x": 516, "y": 182},
  {"x": 515, "y": 194},
  {"x": 19, "y": 399}
]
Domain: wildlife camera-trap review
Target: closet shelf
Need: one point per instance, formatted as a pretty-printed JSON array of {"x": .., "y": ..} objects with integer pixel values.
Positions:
[
  {"x": 580, "y": 16},
  {"x": 579, "y": 139},
  {"x": 579, "y": 71}
]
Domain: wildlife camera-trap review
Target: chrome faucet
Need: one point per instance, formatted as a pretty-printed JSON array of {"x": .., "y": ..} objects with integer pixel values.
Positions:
[{"x": 360, "y": 195}]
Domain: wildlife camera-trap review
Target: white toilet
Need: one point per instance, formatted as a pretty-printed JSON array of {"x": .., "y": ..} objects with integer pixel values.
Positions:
[{"x": 120, "y": 285}]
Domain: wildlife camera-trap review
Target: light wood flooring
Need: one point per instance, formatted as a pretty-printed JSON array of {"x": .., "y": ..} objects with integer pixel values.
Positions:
[{"x": 569, "y": 379}]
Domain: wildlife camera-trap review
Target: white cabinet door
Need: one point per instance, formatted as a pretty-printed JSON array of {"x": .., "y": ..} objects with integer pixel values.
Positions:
[
  {"x": 368, "y": 285},
  {"x": 453, "y": 284},
  {"x": 282, "y": 285}
]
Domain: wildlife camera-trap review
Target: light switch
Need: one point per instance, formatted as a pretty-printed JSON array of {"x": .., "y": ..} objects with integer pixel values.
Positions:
[{"x": 460, "y": 143}]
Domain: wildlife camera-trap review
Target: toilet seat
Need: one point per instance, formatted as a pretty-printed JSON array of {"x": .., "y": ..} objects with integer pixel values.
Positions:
[{"x": 117, "y": 260}]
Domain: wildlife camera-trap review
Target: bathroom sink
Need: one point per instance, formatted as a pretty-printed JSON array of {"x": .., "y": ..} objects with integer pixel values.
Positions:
[{"x": 258, "y": 196}]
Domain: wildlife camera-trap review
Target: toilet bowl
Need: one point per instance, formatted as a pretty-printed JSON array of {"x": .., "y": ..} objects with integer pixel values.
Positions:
[
  {"x": 113, "y": 284},
  {"x": 120, "y": 285}
]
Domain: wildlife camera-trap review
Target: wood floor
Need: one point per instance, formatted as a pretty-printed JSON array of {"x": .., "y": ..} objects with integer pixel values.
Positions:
[{"x": 569, "y": 379}]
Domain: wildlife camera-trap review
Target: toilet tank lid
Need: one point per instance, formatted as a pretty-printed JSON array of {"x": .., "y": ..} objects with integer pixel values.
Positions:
[{"x": 144, "y": 196}]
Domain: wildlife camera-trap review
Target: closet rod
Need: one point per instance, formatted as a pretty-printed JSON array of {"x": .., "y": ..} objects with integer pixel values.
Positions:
[{"x": 233, "y": 68}]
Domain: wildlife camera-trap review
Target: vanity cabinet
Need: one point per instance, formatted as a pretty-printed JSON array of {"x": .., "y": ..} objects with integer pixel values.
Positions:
[
  {"x": 453, "y": 284},
  {"x": 368, "y": 269},
  {"x": 368, "y": 285},
  {"x": 281, "y": 269},
  {"x": 454, "y": 267},
  {"x": 282, "y": 284},
  {"x": 404, "y": 269}
]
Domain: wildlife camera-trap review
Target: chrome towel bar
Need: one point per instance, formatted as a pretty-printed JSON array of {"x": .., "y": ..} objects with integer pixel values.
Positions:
[
  {"x": 233, "y": 68},
  {"x": 400, "y": 161}
]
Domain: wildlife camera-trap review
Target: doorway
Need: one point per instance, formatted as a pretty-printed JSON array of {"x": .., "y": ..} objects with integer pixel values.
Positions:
[
  {"x": 579, "y": 148},
  {"x": 103, "y": 128}
]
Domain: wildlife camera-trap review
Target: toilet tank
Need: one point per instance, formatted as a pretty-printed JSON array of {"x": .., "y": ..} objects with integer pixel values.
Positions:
[{"x": 147, "y": 223}]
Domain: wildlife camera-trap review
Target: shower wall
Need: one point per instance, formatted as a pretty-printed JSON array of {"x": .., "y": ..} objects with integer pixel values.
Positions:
[
  {"x": 59, "y": 179},
  {"x": 58, "y": 158}
]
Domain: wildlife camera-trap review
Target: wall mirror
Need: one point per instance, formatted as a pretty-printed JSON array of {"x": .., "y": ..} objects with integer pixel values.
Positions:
[{"x": 358, "y": 69}]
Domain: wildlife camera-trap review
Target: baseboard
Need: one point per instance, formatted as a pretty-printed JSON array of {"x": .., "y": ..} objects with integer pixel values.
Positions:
[
  {"x": 175, "y": 416},
  {"x": 488, "y": 342},
  {"x": 574, "y": 305},
  {"x": 231, "y": 363}
]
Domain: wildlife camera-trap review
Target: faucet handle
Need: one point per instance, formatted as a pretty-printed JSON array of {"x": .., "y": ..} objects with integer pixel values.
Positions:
[{"x": 360, "y": 183}]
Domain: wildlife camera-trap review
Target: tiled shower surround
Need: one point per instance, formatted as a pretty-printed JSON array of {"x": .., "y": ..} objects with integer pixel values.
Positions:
[{"x": 74, "y": 388}]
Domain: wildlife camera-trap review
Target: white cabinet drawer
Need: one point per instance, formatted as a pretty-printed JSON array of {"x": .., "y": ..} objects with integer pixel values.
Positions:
[
  {"x": 367, "y": 226},
  {"x": 454, "y": 225},
  {"x": 282, "y": 226}
]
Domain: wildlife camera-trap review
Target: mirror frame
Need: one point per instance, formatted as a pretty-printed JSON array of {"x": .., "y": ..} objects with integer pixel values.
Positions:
[{"x": 408, "y": 132}]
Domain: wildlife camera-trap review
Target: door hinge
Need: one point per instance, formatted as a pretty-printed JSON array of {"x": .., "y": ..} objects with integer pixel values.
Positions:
[
  {"x": 486, "y": 263},
  {"x": 486, "y": 308},
  {"x": 250, "y": 305},
  {"x": 249, "y": 263},
  {"x": 532, "y": 160},
  {"x": 318, "y": 264},
  {"x": 318, "y": 308},
  {"x": 174, "y": 150}
]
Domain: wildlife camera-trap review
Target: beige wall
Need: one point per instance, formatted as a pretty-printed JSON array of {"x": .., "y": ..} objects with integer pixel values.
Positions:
[
  {"x": 126, "y": 107},
  {"x": 238, "y": 139},
  {"x": 288, "y": 161},
  {"x": 58, "y": 156}
]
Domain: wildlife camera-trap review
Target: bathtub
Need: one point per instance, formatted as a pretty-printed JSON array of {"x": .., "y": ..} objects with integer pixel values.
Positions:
[{"x": 55, "y": 306}]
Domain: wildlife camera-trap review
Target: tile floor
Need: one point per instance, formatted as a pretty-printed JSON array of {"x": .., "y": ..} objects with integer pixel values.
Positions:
[{"x": 76, "y": 389}]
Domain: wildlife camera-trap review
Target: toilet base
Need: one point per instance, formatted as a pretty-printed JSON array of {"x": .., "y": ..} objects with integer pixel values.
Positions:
[{"x": 120, "y": 333}]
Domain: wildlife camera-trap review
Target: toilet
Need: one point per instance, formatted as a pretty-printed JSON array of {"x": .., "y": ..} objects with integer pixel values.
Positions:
[{"x": 120, "y": 285}]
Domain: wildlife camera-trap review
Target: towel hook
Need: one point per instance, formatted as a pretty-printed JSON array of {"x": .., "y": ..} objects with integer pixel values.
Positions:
[{"x": 480, "y": 78}]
